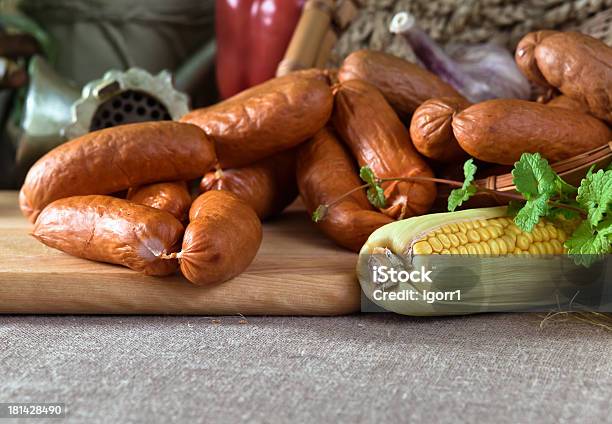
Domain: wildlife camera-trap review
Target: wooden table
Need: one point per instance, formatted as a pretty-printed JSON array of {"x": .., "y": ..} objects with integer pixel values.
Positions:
[{"x": 296, "y": 272}]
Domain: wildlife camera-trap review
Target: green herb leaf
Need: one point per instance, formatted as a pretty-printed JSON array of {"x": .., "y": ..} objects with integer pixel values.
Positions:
[
  {"x": 595, "y": 195},
  {"x": 375, "y": 193},
  {"x": 537, "y": 182},
  {"x": 587, "y": 242},
  {"x": 376, "y": 196},
  {"x": 367, "y": 175},
  {"x": 514, "y": 207},
  {"x": 460, "y": 195},
  {"x": 564, "y": 190},
  {"x": 527, "y": 218},
  {"x": 320, "y": 213},
  {"x": 563, "y": 213},
  {"x": 533, "y": 176}
]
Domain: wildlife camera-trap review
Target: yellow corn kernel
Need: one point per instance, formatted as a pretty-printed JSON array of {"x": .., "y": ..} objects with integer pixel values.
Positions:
[
  {"x": 471, "y": 248},
  {"x": 454, "y": 251},
  {"x": 445, "y": 252},
  {"x": 494, "y": 246},
  {"x": 465, "y": 226},
  {"x": 454, "y": 227},
  {"x": 462, "y": 250},
  {"x": 486, "y": 250},
  {"x": 422, "y": 248},
  {"x": 529, "y": 236},
  {"x": 435, "y": 244},
  {"x": 561, "y": 236},
  {"x": 552, "y": 231},
  {"x": 445, "y": 241},
  {"x": 548, "y": 248},
  {"x": 522, "y": 242},
  {"x": 473, "y": 236},
  {"x": 483, "y": 233},
  {"x": 463, "y": 238},
  {"x": 557, "y": 247},
  {"x": 512, "y": 228},
  {"x": 537, "y": 234},
  {"x": 454, "y": 240}
]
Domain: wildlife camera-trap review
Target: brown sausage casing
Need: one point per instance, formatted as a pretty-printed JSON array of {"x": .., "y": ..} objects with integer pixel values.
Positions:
[
  {"x": 266, "y": 119},
  {"x": 431, "y": 129},
  {"x": 405, "y": 85},
  {"x": 116, "y": 159},
  {"x": 500, "y": 130},
  {"x": 325, "y": 172},
  {"x": 377, "y": 138},
  {"x": 221, "y": 241},
  {"x": 172, "y": 197},
  {"x": 112, "y": 230},
  {"x": 565, "y": 102},
  {"x": 524, "y": 56},
  {"x": 576, "y": 64},
  {"x": 267, "y": 185}
]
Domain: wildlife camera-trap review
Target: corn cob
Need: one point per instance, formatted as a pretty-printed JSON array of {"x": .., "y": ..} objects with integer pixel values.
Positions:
[{"x": 496, "y": 264}]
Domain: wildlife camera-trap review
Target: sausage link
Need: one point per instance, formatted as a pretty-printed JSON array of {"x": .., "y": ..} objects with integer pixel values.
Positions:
[
  {"x": 112, "y": 230},
  {"x": 568, "y": 103},
  {"x": 525, "y": 59},
  {"x": 266, "y": 119},
  {"x": 431, "y": 129},
  {"x": 378, "y": 139},
  {"x": 405, "y": 85},
  {"x": 116, "y": 159},
  {"x": 325, "y": 172},
  {"x": 172, "y": 197},
  {"x": 221, "y": 241},
  {"x": 267, "y": 185},
  {"x": 576, "y": 64},
  {"x": 500, "y": 130}
]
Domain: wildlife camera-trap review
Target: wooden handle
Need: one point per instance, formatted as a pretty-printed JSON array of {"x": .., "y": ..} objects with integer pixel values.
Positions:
[
  {"x": 328, "y": 43},
  {"x": 308, "y": 37}
]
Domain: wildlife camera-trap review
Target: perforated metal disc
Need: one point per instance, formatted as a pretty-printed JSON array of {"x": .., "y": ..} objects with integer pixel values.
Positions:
[{"x": 128, "y": 107}]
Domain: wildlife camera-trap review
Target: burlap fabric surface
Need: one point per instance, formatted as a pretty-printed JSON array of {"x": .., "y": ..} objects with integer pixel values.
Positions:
[{"x": 370, "y": 368}]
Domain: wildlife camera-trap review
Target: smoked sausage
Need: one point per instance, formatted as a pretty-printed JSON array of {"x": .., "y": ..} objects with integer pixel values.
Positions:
[
  {"x": 576, "y": 64},
  {"x": 115, "y": 159},
  {"x": 405, "y": 85},
  {"x": 525, "y": 59},
  {"x": 567, "y": 103},
  {"x": 376, "y": 137},
  {"x": 172, "y": 197},
  {"x": 222, "y": 239},
  {"x": 325, "y": 171},
  {"x": 431, "y": 129},
  {"x": 112, "y": 230},
  {"x": 267, "y": 185},
  {"x": 500, "y": 130},
  {"x": 266, "y": 119}
]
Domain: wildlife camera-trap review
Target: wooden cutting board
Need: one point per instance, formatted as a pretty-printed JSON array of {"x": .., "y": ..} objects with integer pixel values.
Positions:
[{"x": 297, "y": 272}]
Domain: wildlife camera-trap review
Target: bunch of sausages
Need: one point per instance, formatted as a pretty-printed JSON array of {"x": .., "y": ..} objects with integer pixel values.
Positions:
[{"x": 119, "y": 195}]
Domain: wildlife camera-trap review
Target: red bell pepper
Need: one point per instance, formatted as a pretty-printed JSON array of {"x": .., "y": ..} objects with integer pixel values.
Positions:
[{"x": 252, "y": 36}]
